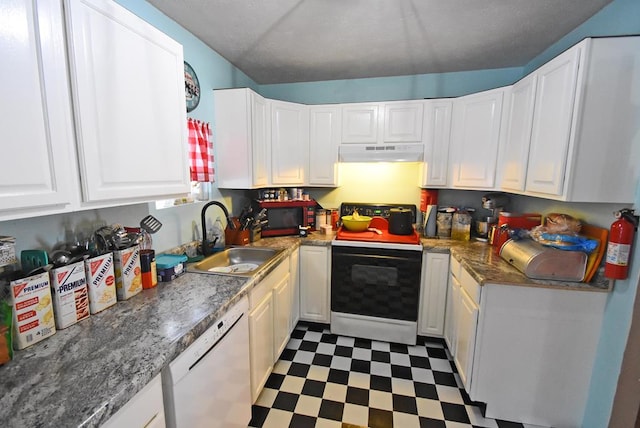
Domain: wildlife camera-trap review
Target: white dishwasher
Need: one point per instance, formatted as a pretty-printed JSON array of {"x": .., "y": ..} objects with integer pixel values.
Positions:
[{"x": 208, "y": 385}]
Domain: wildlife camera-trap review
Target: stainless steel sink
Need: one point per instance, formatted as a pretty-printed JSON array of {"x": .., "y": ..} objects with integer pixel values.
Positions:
[{"x": 236, "y": 261}]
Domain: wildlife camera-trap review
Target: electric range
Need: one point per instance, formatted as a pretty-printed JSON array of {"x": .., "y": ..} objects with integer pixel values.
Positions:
[{"x": 375, "y": 278}]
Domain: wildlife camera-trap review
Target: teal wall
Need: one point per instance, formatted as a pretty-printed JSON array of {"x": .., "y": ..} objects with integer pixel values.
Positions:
[
  {"x": 419, "y": 86},
  {"x": 621, "y": 17}
]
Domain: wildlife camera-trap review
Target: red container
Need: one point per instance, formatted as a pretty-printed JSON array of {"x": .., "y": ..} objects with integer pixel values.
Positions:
[
  {"x": 513, "y": 221},
  {"x": 428, "y": 197}
]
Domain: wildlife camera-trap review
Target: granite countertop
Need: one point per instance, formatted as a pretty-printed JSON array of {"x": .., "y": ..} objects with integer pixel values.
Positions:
[
  {"x": 84, "y": 374},
  {"x": 479, "y": 259}
]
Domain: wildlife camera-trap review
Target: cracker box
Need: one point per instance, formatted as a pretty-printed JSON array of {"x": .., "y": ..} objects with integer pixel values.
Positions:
[
  {"x": 33, "y": 318},
  {"x": 128, "y": 272},
  {"x": 101, "y": 282},
  {"x": 70, "y": 296}
]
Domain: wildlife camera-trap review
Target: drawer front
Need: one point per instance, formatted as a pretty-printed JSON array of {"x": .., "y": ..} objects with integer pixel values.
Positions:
[
  {"x": 470, "y": 285},
  {"x": 266, "y": 285}
]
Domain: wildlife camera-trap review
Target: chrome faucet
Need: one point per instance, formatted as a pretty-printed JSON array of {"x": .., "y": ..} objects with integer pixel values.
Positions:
[{"x": 230, "y": 224}]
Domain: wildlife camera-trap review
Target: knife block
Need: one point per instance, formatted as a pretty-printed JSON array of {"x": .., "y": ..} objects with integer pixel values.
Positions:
[{"x": 236, "y": 236}]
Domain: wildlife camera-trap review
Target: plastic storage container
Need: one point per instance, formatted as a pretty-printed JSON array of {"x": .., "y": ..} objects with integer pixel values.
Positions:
[{"x": 170, "y": 266}]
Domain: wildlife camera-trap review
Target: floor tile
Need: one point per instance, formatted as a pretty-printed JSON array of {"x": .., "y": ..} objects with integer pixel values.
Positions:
[{"x": 324, "y": 380}]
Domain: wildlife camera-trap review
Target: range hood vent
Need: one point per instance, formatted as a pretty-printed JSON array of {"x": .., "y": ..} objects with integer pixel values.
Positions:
[{"x": 381, "y": 153}]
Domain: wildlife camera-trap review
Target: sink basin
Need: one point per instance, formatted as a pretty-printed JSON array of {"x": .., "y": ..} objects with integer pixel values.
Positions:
[{"x": 236, "y": 261}]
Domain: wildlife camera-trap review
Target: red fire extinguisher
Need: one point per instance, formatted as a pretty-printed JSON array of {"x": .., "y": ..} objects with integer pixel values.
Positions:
[{"x": 619, "y": 246}]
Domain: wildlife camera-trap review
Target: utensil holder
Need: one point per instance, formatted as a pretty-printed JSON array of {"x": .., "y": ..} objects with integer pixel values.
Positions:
[{"x": 236, "y": 236}]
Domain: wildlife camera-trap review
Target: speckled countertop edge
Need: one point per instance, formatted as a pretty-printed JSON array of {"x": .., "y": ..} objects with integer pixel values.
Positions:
[{"x": 84, "y": 374}]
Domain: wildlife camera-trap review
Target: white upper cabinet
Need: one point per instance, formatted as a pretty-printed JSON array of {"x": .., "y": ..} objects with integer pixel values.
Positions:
[
  {"x": 242, "y": 138},
  {"x": 377, "y": 123},
  {"x": 515, "y": 153},
  {"x": 289, "y": 143},
  {"x": 585, "y": 124},
  {"x": 437, "y": 132},
  {"x": 551, "y": 126},
  {"x": 360, "y": 123},
  {"x": 475, "y": 138},
  {"x": 127, "y": 81},
  {"x": 324, "y": 138},
  {"x": 403, "y": 122},
  {"x": 38, "y": 173}
]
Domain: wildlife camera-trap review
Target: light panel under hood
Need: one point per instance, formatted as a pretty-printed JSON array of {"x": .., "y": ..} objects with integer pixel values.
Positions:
[{"x": 381, "y": 153}]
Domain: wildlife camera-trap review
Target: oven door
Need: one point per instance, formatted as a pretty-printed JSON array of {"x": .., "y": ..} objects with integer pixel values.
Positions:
[{"x": 376, "y": 282}]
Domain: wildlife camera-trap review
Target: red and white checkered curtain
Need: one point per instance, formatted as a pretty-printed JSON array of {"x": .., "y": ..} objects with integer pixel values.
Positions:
[{"x": 200, "y": 150}]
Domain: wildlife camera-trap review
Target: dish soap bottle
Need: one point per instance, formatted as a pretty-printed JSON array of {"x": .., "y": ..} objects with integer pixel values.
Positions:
[{"x": 218, "y": 232}]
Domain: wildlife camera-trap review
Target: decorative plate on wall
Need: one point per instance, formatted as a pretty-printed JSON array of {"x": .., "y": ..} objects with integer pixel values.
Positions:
[{"x": 191, "y": 87}]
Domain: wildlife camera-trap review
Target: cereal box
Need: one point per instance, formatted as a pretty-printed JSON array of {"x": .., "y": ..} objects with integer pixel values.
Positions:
[
  {"x": 101, "y": 282},
  {"x": 70, "y": 297},
  {"x": 33, "y": 318},
  {"x": 128, "y": 272}
]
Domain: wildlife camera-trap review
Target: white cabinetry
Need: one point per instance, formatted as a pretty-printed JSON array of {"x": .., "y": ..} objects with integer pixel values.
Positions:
[
  {"x": 551, "y": 126},
  {"x": 324, "y": 138},
  {"x": 126, "y": 150},
  {"x": 583, "y": 125},
  {"x": 39, "y": 170},
  {"x": 433, "y": 294},
  {"x": 289, "y": 143},
  {"x": 374, "y": 123},
  {"x": 453, "y": 299},
  {"x": 436, "y": 135},
  {"x": 54, "y": 169},
  {"x": 294, "y": 275},
  {"x": 515, "y": 153},
  {"x": 144, "y": 410},
  {"x": 243, "y": 134},
  {"x": 315, "y": 283},
  {"x": 475, "y": 138},
  {"x": 269, "y": 324}
]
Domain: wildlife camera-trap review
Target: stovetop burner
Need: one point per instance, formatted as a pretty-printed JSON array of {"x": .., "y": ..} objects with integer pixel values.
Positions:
[{"x": 380, "y": 237}]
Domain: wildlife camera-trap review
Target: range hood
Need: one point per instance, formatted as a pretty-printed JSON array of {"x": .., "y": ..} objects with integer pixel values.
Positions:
[{"x": 381, "y": 153}]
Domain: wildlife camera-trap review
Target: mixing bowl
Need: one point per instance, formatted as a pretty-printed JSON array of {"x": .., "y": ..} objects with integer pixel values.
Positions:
[{"x": 359, "y": 224}]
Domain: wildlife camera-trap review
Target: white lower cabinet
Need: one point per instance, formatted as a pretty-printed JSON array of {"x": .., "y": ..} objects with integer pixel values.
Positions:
[
  {"x": 315, "y": 283},
  {"x": 433, "y": 294},
  {"x": 269, "y": 324},
  {"x": 294, "y": 277},
  {"x": 144, "y": 410},
  {"x": 527, "y": 352},
  {"x": 261, "y": 344}
]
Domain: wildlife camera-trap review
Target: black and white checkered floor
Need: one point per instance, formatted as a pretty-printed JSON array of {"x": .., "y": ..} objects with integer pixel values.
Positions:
[{"x": 324, "y": 380}]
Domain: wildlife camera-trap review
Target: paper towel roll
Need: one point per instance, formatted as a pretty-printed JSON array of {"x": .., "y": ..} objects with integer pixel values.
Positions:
[{"x": 430, "y": 222}]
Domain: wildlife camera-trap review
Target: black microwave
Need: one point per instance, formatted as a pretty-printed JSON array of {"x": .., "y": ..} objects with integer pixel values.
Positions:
[{"x": 285, "y": 217}]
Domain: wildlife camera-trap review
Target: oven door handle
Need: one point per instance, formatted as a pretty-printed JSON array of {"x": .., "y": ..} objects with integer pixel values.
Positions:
[{"x": 369, "y": 257}]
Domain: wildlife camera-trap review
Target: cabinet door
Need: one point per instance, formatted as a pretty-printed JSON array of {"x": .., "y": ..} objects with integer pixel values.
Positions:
[
  {"x": 551, "y": 126},
  {"x": 466, "y": 323},
  {"x": 281, "y": 315},
  {"x": 127, "y": 81},
  {"x": 289, "y": 142},
  {"x": 435, "y": 271},
  {"x": 38, "y": 172},
  {"x": 324, "y": 138},
  {"x": 475, "y": 138},
  {"x": 453, "y": 300},
  {"x": 360, "y": 123},
  {"x": 315, "y": 283},
  {"x": 437, "y": 131},
  {"x": 145, "y": 409},
  {"x": 261, "y": 344},
  {"x": 516, "y": 149},
  {"x": 294, "y": 277},
  {"x": 260, "y": 139},
  {"x": 403, "y": 122}
]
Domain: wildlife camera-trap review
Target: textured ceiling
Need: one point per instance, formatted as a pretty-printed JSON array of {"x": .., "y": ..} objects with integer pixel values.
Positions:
[{"x": 284, "y": 41}]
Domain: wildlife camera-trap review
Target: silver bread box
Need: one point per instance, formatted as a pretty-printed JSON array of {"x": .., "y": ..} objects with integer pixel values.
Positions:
[{"x": 539, "y": 262}]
